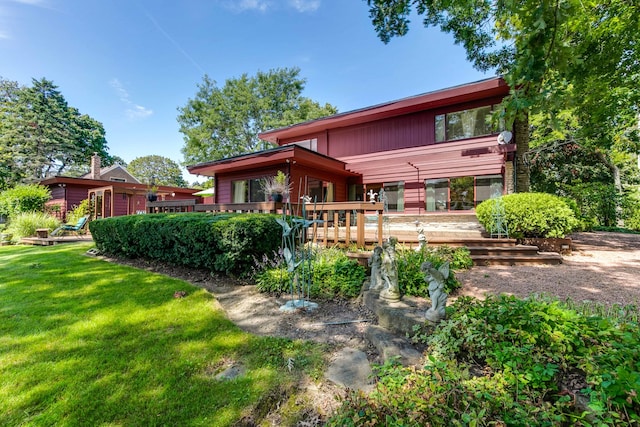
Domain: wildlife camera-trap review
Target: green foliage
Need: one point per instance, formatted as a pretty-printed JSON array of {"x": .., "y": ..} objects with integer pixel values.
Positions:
[
  {"x": 224, "y": 242},
  {"x": 501, "y": 362},
  {"x": 78, "y": 211},
  {"x": 158, "y": 170},
  {"x": 333, "y": 274},
  {"x": 25, "y": 224},
  {"x": 224, "y": 122},
  {"x": 531, "y": 215},
  {"x": 411, "y": 278},
  {"x": 41, "y": 134},
  {"x": 24, "y": 198}
]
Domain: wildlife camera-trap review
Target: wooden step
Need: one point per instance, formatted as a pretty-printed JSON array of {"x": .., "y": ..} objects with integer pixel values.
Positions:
[
  {"x": 546, "y": 258},
  {"x": 519, "y": 250}
]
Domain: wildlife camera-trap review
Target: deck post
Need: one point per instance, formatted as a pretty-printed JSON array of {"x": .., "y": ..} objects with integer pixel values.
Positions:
[
  {"x": 325, "y": 226},
  {"x": 380, "y": 219},
  {"x": 347, "y": 237},
  {"x": 360, "y": 228},
  {"x": 336, "y": 228}
]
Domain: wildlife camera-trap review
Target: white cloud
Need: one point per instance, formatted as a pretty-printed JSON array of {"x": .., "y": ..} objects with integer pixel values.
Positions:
[
  {"x": 305, "y": 5},
  {"x": 133, "y": 110},
  {"x": 4, "y": 35},
  {"x": 243, "y": 5}
]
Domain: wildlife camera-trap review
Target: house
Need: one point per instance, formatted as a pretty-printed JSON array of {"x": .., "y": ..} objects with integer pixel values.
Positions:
[
  {"x": 432, "y": 153},
  {"x": 113, "y": 191}
]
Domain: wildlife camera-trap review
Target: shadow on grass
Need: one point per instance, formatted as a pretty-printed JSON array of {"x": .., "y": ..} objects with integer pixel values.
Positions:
[{"x": 86, "y": 342}]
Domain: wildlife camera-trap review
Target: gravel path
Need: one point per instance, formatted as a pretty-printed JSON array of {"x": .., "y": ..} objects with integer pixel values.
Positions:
[{"x": 603, "y": 267}]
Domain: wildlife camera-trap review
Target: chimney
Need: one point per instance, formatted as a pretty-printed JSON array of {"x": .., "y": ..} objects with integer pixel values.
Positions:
[{"x": 95, "y": 166}]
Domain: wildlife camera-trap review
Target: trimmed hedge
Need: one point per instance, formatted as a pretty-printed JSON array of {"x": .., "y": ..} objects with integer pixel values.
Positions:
[
  {"x": 226, "y": 243},
  {"x": 531, "y": 215}
]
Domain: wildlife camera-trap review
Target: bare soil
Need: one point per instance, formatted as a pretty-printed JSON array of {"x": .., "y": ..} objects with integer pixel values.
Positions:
[{"x": 603, "y": 268}]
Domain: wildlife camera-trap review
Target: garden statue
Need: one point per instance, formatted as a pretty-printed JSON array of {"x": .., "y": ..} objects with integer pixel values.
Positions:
[
  {"x": 422, "y": 240},
  {"x": 375, "y": 262},
  {"x": 436, "y": 279},
  {"x": 389, "y": 271},
  {"x": 372, "y": 196}
]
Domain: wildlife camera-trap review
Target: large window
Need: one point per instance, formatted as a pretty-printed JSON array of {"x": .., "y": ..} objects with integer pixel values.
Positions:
[
  {"x": 394, "y": 191},
  {"x": 247, "y": 190},
  {"x": 437, "y": 197},
  {"x": 461, "y": 193},
  {"x": 320, "y": 191},
  {"x": 464, "y": 124}
]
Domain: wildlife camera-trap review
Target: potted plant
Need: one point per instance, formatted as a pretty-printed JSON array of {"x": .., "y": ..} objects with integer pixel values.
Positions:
[
  {"x": 276, "y": 186},
  {"x": 152, "y": 194}
]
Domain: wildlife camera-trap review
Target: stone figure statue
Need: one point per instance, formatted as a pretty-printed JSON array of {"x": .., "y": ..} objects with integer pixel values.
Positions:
[
  {"x": 389, "y": 271},
  {"x": 436, "y": 279},
  {"x": 422, "y": 240},
  {"x": 375, "y": 262}
]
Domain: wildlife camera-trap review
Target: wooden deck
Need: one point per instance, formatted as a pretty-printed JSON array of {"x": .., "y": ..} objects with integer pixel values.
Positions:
[{"x": 54, "y": 240}]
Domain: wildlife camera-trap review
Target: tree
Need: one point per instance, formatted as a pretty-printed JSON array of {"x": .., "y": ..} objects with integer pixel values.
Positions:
[
  {"x": 554, "y": 54},
  {"x": 41, "y": 135},
  {"x": 224, "y": 122},
  {"x": 157, "y": 170}
]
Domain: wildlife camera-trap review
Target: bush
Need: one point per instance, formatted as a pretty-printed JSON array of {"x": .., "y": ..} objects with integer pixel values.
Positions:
[
  {"x": 333, "y": 275},
  {"x": 411, "y": 278},
  {"x": 25, "y": 224},
  {"x": 78, "y": 211},
  {"x": 501, "y": 362},
  {"x": 226, "y": 243},
  {"x": 530, "y": 215},
  {"x": 596, "y": 203},
  {"x": 24, "y": 198}
]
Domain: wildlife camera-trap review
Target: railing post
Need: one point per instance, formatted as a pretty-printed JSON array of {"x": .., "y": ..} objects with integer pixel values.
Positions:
[
  {"x": 380, "y": 219},
  {"x": 360, "y": 228},
  {"x": 336, "y": 227},
  {"x": 325, "y": 227},
  {"x": 347, "y": 236}
]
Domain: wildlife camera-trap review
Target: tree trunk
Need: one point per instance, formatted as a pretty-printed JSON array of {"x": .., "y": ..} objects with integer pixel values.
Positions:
[
  {"x": 521, "y": 137},
  {"x": 617, "y": 183}
]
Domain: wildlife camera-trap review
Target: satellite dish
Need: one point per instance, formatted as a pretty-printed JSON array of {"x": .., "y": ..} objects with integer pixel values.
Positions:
[{"x": 505, "y": 137}]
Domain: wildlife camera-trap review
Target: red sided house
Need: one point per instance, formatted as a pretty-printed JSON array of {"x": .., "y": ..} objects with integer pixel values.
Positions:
[
  {"x": 113, "y": 191},
  {"x": 431, "y": 153}
]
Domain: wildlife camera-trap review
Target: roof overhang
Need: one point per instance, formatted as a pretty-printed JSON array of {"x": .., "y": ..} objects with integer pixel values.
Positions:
[
  {"x": 441, "y": 98},
  {"x": 98, "y": 183},
  {"x": 292, "y": 154}
]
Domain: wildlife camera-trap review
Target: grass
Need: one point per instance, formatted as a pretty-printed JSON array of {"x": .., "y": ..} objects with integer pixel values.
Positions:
[{"x": 87, "y": 342}]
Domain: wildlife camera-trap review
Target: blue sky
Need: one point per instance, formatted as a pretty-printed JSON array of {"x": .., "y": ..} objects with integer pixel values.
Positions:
[{"x": 131, "y": 63}]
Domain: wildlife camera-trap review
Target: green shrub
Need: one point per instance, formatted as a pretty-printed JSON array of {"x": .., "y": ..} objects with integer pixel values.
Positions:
[
  {"x": 25, "y": 224},
  {"x": 24, "y": 198},
  {"x": 596, "y": 203},
  {"x": 411, "y": 278},
  {"x": 225, "y": 242},
  {"x": 78, "y": 211},
  {"x": 501, "y": 361},
  {"x": 530, "y": 215},
  {"x": 333, "y": 275}
]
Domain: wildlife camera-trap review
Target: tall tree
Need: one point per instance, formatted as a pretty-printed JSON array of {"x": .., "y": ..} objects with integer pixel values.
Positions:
[
  {"x": 224, "y": 122},
  {"x": 40, "y": 134},
  {"x": 553, "y": 53},
  {"x": 157, "y": 170}
]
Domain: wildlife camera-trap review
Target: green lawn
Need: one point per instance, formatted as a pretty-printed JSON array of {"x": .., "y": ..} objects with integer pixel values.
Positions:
[{"x": 87, "y": 342}]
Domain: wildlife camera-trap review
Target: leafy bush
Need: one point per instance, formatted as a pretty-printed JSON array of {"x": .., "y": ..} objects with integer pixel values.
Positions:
[
  {"x": 596, "y": 203},
  {"x": 333, "y": 274},
  {"x": 411, "y": 278},
  {"x": 24, "y": 198},
  {"x": 632, "y": 215},
  {"x": 225, "y": 242},
  {"x": 78, "y": 211},
  {"x": 25, "y": 224},
  {"x": 501, "y": 362},
  {"x": 530, "y": 215}
]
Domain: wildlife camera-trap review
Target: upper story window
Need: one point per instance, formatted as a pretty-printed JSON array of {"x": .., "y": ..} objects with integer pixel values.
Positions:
[
  {"x": 464, "y": 124},
  {"x": 113, "y": 178}
]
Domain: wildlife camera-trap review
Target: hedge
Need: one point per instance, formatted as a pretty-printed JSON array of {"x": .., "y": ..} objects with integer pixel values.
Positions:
[
  {"x": 226, "y": 243},
  {"x": 530, "y": 215}
]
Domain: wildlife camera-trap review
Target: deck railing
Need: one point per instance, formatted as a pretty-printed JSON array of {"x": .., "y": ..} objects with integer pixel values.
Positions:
[{"x": 341, "y": 222}]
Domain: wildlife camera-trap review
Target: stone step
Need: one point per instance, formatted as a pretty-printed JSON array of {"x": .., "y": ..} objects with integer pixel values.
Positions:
[{"x": 392, "y": 346}]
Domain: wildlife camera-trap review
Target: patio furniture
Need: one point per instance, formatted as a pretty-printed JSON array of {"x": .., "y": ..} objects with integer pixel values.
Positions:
[{"x": 71, "y": 227}]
